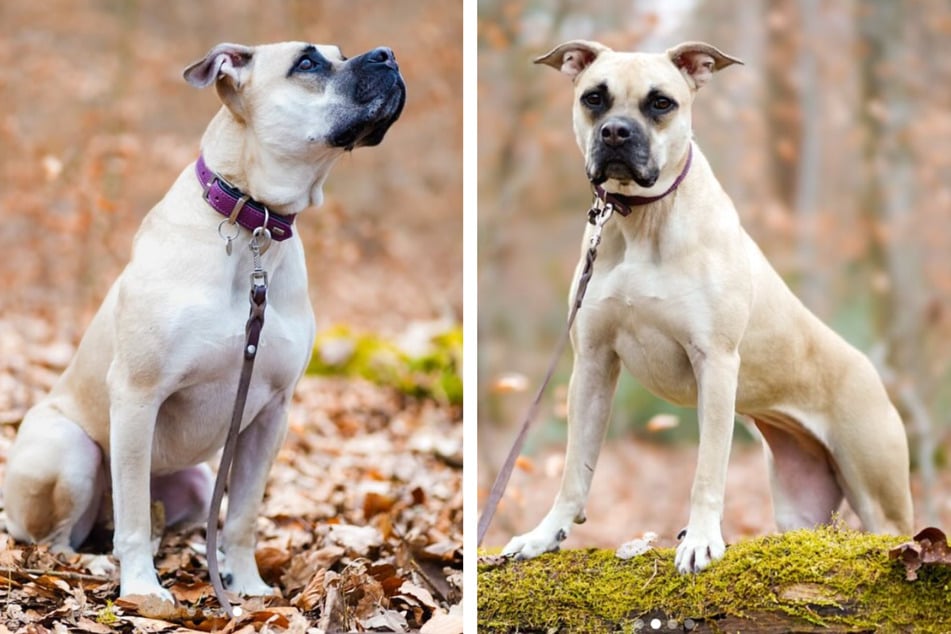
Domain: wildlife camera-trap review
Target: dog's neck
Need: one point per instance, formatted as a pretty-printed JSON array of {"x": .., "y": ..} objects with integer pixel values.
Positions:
[{"x": 286, "y": 187}]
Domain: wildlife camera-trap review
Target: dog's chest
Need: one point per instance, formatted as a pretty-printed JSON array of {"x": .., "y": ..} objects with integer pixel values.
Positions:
[
  {"x": 193, "y": 421},
  {"x": 647, "y": 314}
]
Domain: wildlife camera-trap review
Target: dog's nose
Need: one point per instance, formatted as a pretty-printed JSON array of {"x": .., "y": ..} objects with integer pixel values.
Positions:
[
  {"x": 615, "y": 133},
  {"x": 382, "y": 55}
]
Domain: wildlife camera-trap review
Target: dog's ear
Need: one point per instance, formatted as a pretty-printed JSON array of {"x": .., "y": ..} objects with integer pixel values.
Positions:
[
  {"x": 227, "y": 66},
  {"x": 698, "y": 61},
  {"x": 572, "y": 57}
]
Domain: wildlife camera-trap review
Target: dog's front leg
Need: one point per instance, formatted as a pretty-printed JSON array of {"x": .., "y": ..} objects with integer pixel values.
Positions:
[
  {"x": 716, "y": 374},
  {"x": 133, "y": 413},
  {"x": 591, "y": 390},
  {"x": 257, "y": 447}
]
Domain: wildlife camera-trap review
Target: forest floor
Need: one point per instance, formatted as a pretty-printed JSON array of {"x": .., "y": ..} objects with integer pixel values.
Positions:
[{"x": 361, "y": 527}]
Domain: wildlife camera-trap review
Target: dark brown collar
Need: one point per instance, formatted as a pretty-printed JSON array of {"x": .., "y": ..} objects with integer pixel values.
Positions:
[{"x": 622, "y": 204}]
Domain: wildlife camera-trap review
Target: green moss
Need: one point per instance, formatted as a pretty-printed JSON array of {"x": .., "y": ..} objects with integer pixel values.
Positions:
[
  {"x": 436, "y": 373},
  {"x": 107, "y": 615},
  {"x": 825, "y": 577}
]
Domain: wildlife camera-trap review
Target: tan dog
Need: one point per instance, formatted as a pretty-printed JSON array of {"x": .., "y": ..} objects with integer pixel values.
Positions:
[
  {"x": 684, "y": 298},
  {"x": 148, "y": 397}
]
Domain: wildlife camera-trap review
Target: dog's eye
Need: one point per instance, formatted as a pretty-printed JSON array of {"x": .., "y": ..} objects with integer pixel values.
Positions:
[
  {"x": 661, "y": 104},
  {"x": 593, "y": 99},
  {"x": 308, "y": 64}
]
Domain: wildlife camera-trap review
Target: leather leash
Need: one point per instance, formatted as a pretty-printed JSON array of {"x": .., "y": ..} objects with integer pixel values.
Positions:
[
  {"x": 260, "y": 239},
  {"x": 601, "y": 210}
]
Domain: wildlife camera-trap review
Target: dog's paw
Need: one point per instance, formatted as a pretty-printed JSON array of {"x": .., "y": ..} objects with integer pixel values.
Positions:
[
  {"x": 531, "y": 545},
  {"x": 697, "y": 551},
  {"x": 99, "y": 565},
  {"x": 254, "y": 587},
  {"x": 145, "y": 587}
]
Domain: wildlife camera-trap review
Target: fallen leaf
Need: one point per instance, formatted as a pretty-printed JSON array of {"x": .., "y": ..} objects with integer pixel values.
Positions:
[
  {"x": 420, "y": 594},
  {"x": 443, "y": 622},
  {"x": 191, "y": 592},
  {"x": 375, "y": 503},
  {"x": 929, "y": 546},
  {"x": 636, "y": 547},
  {"x": 359, "y": 540},
  {"x": 386, "y": 621},
  {"x": 271, "y": 562}
]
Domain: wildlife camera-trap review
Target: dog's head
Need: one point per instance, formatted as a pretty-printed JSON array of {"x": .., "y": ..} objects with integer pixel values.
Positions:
[
  {"x": 303, "y": 98},
  {"x": 632, "y": 110}
]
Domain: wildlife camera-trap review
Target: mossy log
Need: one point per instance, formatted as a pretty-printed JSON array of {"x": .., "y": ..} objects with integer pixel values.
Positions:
[{"x": 829, "y": 580}]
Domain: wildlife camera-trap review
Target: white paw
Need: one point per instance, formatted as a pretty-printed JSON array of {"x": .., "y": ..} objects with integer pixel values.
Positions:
[
  {"x": 145, "y": 586},
  {"x": 241, "y": 574},
  {"x": 699, "y": 550},
  {"x": 539, "y": 541},
  {"x": 254, "y": 587},
  {"x": 100, "y": 565}
]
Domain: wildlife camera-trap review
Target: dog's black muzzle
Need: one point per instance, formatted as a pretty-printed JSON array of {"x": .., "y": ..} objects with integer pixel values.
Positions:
[
  {"x": 620, "y": 149},
  {"x": 376, "y": 88}
]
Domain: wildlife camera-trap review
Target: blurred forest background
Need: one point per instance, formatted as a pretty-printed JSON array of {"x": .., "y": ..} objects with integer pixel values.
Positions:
[
  {"x": 96, "y": 123},
  {"x": 834, "y": 141}
]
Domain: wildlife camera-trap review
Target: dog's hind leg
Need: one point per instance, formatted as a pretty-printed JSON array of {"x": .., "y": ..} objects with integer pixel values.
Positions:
[
  {"x": 54, "y": 481},
  {"x": 804, "y": 485},
  {"x": 873, "y": 467},
  {"x": 185, "y": 494}
]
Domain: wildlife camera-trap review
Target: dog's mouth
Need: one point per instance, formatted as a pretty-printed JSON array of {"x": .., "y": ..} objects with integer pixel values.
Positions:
[
  {"x": 378, "y": 94},
  {"x": 622, "y": 171}
]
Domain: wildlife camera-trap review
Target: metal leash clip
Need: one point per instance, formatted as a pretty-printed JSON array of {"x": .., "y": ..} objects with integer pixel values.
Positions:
[
  {"x": 598, "y": 216},
  {"x": 261, "y": 238}
]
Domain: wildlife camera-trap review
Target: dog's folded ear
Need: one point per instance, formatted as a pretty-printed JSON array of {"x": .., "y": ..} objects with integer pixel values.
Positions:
[
  {"x": 226, "y": 66},
  {"x": 572, "y": 57},
  {"x": 698, "y": 61},
  {"x": 224, "y": 59}
]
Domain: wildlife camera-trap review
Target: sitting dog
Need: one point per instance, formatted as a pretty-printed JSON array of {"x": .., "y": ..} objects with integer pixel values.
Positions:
[
  {"x": 149, "y": 394},
  {"x": 684, "y": 298}
]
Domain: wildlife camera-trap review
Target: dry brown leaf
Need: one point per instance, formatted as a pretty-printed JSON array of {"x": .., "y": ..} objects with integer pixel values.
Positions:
[
  {"x": 313, "y": 593},
  {"x": 386, "y": 621},
  {"x": 929, "y": 546},
  {"x": 443, "y": 622},
  {"x": 191, "y": 592},
  {"x": 272, "y": 616},
  {"x": 151, "y": 606},
  {"x": 375, "y": 503},
  {"x": 358, "y": 540},
  {"x": 88, "y": 625},
  {"x": 388, "y": 576},
  {"x": 419, "y": 594},
  {"x": 271, "y": 562}
]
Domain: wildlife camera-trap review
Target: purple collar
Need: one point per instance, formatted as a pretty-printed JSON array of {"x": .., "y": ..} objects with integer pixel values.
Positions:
[
  {"x": 622, "y": 204},
  {"x": 231, "y": 202}
]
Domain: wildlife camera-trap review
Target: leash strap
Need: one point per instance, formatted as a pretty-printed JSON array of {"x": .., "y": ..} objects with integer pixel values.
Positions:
[
  {"x": 253, "y": 327},
  {"x": 598, "y": 215}
]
